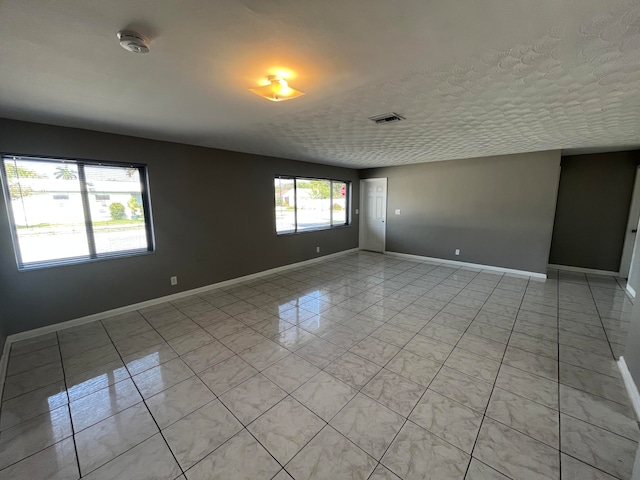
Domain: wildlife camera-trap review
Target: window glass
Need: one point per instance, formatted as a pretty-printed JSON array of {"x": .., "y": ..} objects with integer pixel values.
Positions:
[
  {"x": 304, "y": 204},
  {"x": 65, "y": 211}
]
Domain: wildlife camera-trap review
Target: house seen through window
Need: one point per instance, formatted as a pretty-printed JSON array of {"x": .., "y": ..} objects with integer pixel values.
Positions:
[
  {"x": 64, "y": 211},
  {"x": 304, "y": 204}
]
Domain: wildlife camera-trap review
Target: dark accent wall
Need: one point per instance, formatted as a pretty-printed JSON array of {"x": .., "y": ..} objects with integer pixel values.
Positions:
[
  {"x": 497, "y": 210},
  {"x": 593, "y": 209},
  {"x": 213, "y": 214}
]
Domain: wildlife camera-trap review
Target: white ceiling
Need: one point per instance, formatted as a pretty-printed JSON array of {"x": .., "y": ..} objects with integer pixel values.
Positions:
[{"x": 472, "y": 78}]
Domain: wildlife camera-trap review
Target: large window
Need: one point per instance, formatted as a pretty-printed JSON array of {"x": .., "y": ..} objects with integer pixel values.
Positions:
[
  {"x": 304, "y": 204},
  {"x": 65, "y": 211}
]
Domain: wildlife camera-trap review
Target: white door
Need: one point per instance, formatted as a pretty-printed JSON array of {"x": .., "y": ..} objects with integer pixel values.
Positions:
[
  {"x": 374, "y": 214},
  {"x": 632, "y": 228}
]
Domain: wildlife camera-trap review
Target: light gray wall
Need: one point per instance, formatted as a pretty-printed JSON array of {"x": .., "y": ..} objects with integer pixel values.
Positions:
[
  {"x": 213, "y": 215},
  {"x": 593, "y": 208},
  {"x": 632, "y": 347},
  {"x": 497, "y": 210}
]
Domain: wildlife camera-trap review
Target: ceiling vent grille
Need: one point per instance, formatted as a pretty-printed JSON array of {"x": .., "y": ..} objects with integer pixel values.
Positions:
[{"x": 386, "y": 118}]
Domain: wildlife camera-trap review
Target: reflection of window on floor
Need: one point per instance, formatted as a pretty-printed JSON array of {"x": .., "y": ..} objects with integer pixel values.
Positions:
[
  {"x": 52, "y": 216},
  {"x": 304, "y": 204}
]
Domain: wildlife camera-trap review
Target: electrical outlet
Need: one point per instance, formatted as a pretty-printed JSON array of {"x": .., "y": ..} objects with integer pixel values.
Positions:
[
  {"x": 317, "y": 249},
  {"x": 397, "y": 211},
  {"x": 457, "y": 251},
  {"x": 174, "y": 280}
]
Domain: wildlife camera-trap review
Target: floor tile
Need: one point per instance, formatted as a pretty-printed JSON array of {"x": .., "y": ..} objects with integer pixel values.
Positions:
[
  {"x": 353, "y": 370},
  {"x": 95, "y": 379},
  {"x": 414, "y": 367},
  {"x": 129, "y": 345},
  {"x": 55, "y": 462},
  {"x": 206, "y": 356},
  {"x": 174, "y": 403},
  {"x": 473, "y": 365},
  {"x": 515, "y": 454},
  {"x": 286, "y": 428},
  {"x": 394, "y": 335},
  {"x": 573, "y": 469},
  {"x": 324, "y": 395},
  {"x": 428, "y": 348},
  {"x": 227, "y": 374},
  {"x": 148, "y": 358},
  {"x": 163, "y": 376},
  {"x": 375, "y": 350},
  {"x": 319, "y": 352},
  {"x": 252, "y": 398},
  {"x": 200, "y": 433},
  {"x": 149, "y": 460},
  {"x": 534, "y": 345},
  {"x": 480, "y": 471},
  {"x": 330, "y": 455},
  {"x": 240, "y": 458},
  {"x": 532, "y": 363},
  {"x": 109, "y": 438},
  {"x": 441, "y": 333},
  {"x": 526, "y": 416},
  {"x": 394, "y": 391},
  {"x": 290, "y": 372},
  {"x": 597, "y": 447},
  {"x": 481, "y": 346},
  {"x": 242, "y": 339},
  {"x": 32, "y": 344},
  {"x": 32, "y": 380},
  {"x": 31, "y": 360},
  {"x": 417, "y": 454},
  {"x": 449, "y": 420},
  {"x": 538, "y": 389},
  {"x": 190, "y": 341},
  {"x": 598, "y": 411},
  {"x": 97, "y": 406},
  {"x": 32, "y": 404},
  {"x": 462, "y": 388},
  {"x": 594, "y": 383},
  {"x": 368, "y": 424},
  {"x": 29, "y": 437},
  {"x": 264, "y": 354}
]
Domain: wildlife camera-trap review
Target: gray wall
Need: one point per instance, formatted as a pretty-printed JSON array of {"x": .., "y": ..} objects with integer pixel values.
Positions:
[
  {"x": 213, "y": 215},
  {"x": 593, "y": 208},
  {"x": 497, "y": 210},
  {"x": 632, "y": 348}
]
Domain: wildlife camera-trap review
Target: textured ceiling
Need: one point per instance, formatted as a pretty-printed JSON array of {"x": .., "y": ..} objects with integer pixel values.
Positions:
[{"x": 472, "y": 78}]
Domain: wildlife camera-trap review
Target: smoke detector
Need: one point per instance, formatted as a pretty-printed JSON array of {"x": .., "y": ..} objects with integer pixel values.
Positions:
[{"x": 133, "y": 42}]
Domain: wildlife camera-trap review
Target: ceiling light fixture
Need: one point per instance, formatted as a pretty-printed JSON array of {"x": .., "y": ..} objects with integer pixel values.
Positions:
[
  {"x": 133, "y": 42},
  {"x": 276, "y": 90}
]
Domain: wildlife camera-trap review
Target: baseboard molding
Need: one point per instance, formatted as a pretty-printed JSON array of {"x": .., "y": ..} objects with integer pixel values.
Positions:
[
  {"x": 155, "y": 301},
  {"x": 469, "y": 265},
  {"x": 630, "y": 291},
  {"x": 593, "y": 271},
  {"x": 630, "y": 384}
]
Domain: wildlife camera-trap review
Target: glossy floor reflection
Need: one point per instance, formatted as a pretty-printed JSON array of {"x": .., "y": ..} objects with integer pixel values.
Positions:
[{"x": 360, "y": 367}]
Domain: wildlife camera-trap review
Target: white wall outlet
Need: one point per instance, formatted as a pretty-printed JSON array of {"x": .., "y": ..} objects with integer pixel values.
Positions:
[
  {"x": 457, "y": 251},
  {"x": 397, "y": 211},
  {"x": 317, "y": 249},
  {"x": 357, "y": 211},
  {"x": 174, "y": 280}
]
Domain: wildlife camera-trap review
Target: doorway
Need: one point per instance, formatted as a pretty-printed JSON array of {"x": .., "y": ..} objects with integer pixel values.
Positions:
[
  {"x": 373, "y": 217},
  {"x": 632, "y": 228}
]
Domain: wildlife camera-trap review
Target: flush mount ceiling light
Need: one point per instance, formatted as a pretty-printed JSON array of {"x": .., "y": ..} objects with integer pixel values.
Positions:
[
  {"x": 276, "y": 90},
  {"x": 133, "y": 42}
]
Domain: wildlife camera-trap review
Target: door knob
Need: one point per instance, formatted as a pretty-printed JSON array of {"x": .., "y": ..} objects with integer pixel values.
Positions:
[{"x": 634, "y": 231}]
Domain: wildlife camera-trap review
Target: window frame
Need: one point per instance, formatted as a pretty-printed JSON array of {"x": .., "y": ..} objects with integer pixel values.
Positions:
[
  {"x": 85, "y": 194},
  {"x": 295, "y": 179}
]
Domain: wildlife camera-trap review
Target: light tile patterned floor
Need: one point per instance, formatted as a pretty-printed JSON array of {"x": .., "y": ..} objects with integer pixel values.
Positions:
[{"x": 361, "y": 367}]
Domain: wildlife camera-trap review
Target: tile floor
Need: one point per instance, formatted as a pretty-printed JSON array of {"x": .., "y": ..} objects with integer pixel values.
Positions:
[{"x": 361, "y": 367}]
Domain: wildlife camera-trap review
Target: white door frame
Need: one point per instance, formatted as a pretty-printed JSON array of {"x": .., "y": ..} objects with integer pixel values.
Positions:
[
  {"x": 632, "y": 224},
  {"x": 363, "y": 215}
]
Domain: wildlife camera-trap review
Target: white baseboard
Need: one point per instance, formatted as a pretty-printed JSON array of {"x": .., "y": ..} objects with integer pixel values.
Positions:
[
  {"x": 469, "y": 265},
  {"x": 630, "y": 384},
  {"x": 593, "y": 271},
  {"x": 155, "y": 301},
  {"x": 630, "y": 291}
]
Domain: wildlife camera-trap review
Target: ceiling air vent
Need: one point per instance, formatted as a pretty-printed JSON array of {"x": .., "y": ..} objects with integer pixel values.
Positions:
[{"x": 386, "y": 118}]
